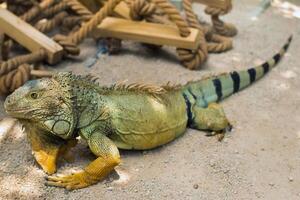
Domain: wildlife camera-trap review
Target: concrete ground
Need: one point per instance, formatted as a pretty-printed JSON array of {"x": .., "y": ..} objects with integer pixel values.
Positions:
[{"x": 259, "y": 159}]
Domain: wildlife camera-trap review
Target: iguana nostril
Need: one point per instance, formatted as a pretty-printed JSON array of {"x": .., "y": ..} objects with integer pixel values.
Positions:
[{"x": 7, "y": 102}]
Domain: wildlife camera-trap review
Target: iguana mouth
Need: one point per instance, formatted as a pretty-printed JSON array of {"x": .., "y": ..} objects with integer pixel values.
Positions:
[{"x": 18, "y": 110}]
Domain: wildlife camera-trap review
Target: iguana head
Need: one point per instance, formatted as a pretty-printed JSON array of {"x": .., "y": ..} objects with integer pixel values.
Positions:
[{"x": 45, "y": 103}]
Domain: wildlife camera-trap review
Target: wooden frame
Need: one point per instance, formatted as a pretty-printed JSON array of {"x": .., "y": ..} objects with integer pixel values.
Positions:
[
  {"x": 141, "y": 31},
  {"x": 28, "y": 36}
]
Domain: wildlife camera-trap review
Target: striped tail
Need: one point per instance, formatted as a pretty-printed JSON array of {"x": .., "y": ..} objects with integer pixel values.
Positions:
[{"x": 216, "y": 88}]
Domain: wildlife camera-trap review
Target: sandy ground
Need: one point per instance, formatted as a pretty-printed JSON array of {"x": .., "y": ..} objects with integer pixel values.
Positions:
[{"x": 259, "y": 159}]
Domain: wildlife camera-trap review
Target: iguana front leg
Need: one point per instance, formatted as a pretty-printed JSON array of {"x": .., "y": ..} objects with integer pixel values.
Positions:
[
  {"x": 108, "y": 158},
  {"x": 46, "y": 152}
]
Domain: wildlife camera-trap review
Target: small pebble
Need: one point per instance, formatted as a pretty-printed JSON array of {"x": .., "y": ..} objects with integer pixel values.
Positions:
[
  {"x": 236, "y": 152},
  {"x": 196, "y": 186},
  {"x": 271, "y": 184},
  {"x": 212, "y": 163},
  {"x": 110, "y": 188},
  {"x": 291, "y": 179}
]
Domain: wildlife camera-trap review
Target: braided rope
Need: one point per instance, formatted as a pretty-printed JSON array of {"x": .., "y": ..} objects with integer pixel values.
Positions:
[
  {"x": 57, "y": 8},
  {"x": 71, "y": 21},
  {"x": 52, "y": 23},
  {"x": 70, "y": 48},
  {"x": 69, "y": 42},
  {"x": 140, "y": 9},
  {"x": 174, "y": 16},
  {"x": 106, "y": 10},
  {"x": 30, "y": 58},
  {"x": 36, "y": 10},
  {"x": 189, "y": 58},
  {"x": 14, "y": 79},
  {"x": 220, "y": 44},
  {"x": 225, "y": 29},
  {"x": 79, "y": 9}
]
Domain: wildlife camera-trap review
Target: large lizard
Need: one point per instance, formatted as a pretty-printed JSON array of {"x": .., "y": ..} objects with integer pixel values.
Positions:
[{"x": 56, "y": 110}]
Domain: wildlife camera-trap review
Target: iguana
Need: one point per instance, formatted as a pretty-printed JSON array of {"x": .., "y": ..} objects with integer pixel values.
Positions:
[{"x": 56, "y": 110}]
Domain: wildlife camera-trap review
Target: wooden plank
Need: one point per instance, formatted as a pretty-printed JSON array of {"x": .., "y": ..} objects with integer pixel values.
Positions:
[
  {"x": 223, "y": 4},
  {"x": 145, "y": 32},
  {"x": 122, "y": 10},
  {"x": 28, "y": 36}
]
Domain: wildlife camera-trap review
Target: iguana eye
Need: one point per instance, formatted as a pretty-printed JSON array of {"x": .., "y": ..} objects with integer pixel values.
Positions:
[{"x": 34, "y": 95}]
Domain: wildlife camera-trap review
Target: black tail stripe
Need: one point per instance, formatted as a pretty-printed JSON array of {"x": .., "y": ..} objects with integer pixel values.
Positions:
[
  {"x": 188, "y": 109},
  {"x": 276, "y": 58},
  {"x": 252, "y": 74},
  {"x": 236, "y": 81},
  {"x": 190, "y": 91},
  {"x": 266, "y": 67},
  {"x": 218, "y": 88},
  {"x": 285, "y": 47}
]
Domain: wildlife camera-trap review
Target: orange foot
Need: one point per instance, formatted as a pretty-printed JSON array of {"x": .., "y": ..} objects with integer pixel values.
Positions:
[
  {"x": 73, "y": 181},
  {"x": 46, "y": 161}
]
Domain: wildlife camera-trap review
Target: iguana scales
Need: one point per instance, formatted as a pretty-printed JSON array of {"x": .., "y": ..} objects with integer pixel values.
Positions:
[{"x": 56, "y": 110}]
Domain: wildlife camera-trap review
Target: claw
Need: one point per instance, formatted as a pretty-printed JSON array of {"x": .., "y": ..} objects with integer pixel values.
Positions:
[{"x": 70, "y": 182}]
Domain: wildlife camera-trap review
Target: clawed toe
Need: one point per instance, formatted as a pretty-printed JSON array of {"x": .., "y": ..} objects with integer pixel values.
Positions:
[{"x": 70, "y": 182}]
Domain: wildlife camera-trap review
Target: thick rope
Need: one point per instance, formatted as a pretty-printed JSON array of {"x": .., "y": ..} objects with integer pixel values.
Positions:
[
  {"x": 14, "y": 79},
  {"x": 70, "y": 48},
  {"x": 30, "y": 58},
  {"x": 36, "y": 10},
  {"x": 220, "y": 44},
  {"x": 174, "y": 16},
  {"x": 71, "y": 21},
  {"x": 79, "y": 9},
  {"x": 49, "y": 25},
  {"x": 57, "y": 8},
  {"x": 70, "y": 42},
  {"x": 106, "y": 10},
  {"x": 140, "y": 9},
  {"x": 17, "y": 77},
  {"x": 225, "y": 29},
  {"x": 192, "y": 59}
]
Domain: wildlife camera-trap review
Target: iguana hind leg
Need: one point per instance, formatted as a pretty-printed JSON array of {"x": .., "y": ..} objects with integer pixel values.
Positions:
[
  {"x": 108, "y": 158},
  {"x": 211, "y": 118}
]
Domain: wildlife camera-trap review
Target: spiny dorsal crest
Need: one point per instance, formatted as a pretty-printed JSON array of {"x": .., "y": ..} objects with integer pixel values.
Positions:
[
  {"x": 69, "y": 81},
  {"x": 71, "y": 84},
  {"x": 142, "y": 88}
]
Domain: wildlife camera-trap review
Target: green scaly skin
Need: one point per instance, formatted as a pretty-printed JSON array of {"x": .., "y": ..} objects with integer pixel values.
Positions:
[{"x": 55, "y": 111}]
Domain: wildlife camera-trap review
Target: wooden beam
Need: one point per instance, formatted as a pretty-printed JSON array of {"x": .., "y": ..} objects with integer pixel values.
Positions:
[
  {"x": 223, "y": 4},
  {"x": 28, "y": 36},
  {"x": 122, "y": 10},
  {"x": 145, "y": 32}
]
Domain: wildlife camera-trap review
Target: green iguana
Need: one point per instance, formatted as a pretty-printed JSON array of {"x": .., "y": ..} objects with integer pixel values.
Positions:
[{"x": 56, "y": 110}]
